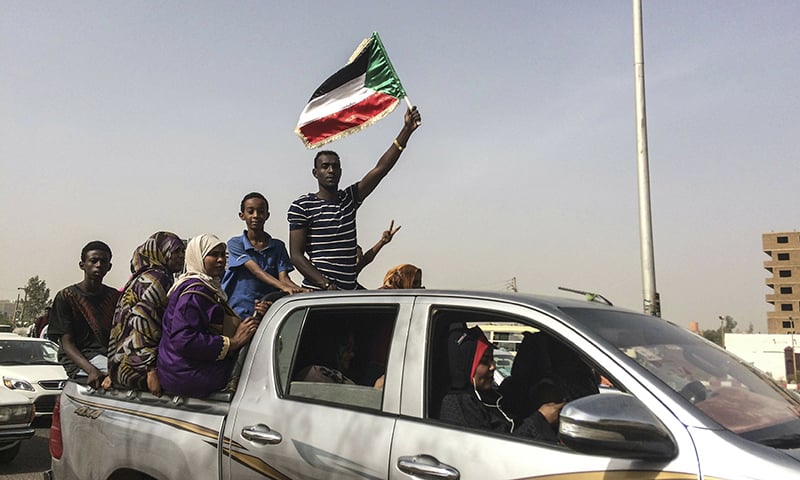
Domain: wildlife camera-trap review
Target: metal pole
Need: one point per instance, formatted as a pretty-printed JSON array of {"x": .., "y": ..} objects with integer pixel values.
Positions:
[
  {"x": 652, "y": 305},
  {"x": 16, "y": 310},
  {"x": 794, "y": 357}
]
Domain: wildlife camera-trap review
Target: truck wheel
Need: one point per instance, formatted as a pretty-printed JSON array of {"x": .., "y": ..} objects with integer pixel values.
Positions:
[{"x": 8, "y": 454}]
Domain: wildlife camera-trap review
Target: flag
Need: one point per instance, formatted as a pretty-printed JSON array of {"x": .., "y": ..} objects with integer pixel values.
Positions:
[{"x": 361, "y": 93}]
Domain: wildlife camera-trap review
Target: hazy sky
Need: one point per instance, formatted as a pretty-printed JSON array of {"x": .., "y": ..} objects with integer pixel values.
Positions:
[{"x": 119, "y": 119}]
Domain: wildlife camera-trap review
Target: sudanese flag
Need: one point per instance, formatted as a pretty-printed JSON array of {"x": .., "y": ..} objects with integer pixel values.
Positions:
[{"x": 361, "y": 93}]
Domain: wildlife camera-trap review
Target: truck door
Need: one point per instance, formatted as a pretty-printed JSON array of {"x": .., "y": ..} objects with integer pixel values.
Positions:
[
  {"x": 320, "y": 393},
  {"x": 426, "y": 446}
]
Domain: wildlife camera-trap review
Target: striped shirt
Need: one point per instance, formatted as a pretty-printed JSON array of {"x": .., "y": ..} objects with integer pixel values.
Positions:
[{"x": 330, "y": 234}]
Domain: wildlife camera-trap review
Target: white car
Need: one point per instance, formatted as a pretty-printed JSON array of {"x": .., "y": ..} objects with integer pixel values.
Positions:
[
  {"x": 16, "y": 415},
  {"x": 30, "y": 366}
]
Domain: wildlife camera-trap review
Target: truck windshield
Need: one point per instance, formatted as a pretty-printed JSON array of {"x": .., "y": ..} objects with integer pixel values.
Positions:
[{"x": 731, "y": 392}]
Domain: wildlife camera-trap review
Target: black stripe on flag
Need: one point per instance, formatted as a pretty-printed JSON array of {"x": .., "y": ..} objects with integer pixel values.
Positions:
[{"x": 349, "y": 72}]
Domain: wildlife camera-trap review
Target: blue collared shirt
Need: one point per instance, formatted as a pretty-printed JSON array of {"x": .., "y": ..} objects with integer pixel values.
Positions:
[{"x": 242, "y": 287}]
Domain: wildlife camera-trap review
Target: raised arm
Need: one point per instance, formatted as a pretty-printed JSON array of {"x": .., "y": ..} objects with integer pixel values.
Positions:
[
  {"x": 371, "y": 180},
  {"x": 297, "y": 242},
  {"x": 370, "y": 254}
]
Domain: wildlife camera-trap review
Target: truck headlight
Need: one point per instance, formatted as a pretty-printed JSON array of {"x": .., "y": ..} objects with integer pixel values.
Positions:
[{"x": 17, "y": 384}]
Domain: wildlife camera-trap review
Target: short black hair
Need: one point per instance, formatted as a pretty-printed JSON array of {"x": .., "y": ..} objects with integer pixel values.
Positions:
[
  {"x": 95, "y": 245},
  {"x": 325, "y": 152},
  {"x": 252, "y": 195}
]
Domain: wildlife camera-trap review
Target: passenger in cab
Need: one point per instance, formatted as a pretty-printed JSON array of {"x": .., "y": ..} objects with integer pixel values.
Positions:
[
  {"x": 473, "y": 402},
  {"x": 403, "y": 276},
  {"x": 136, "y": 328},
  {"x": 201, "y": 334}
]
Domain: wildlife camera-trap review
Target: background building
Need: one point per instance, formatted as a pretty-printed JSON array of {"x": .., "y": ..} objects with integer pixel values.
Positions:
[
  {"x": 783, "y": 249},
  {"x": 766, "y": 352}
]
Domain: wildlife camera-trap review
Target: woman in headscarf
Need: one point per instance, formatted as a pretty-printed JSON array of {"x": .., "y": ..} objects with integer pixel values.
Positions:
[
  {"x": 201, "y": 334},
  {"x": 403, "y": 276},
  {"x": 136, "y": 327},
  {"x": 474, "y": 402}
]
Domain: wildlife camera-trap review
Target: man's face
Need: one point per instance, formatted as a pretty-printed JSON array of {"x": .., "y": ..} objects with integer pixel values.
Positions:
[
  {"x": 327, "y": 171},
  {"x": 96, "y": 264},
  {"x": 255, "y": 214}
]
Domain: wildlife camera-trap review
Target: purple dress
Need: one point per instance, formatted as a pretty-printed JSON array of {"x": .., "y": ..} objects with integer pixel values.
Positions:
[{"x": 189, "y": 362}]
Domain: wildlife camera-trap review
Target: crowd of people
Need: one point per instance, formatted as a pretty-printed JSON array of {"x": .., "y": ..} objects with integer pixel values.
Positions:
[
  {"x": 179, "y": 323},
  {"x": 183, "y": 336}
]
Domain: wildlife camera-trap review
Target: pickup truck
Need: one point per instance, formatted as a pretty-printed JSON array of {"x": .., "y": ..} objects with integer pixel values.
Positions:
[{"x": 680, "y": 407}]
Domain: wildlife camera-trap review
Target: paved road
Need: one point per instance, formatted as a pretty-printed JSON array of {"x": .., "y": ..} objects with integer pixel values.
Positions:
[{"x": 33, "y": 458}]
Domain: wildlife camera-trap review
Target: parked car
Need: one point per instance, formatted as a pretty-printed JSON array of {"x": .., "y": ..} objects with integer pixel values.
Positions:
[
  {"x": 683, "y": 407},
  {"x": 30, "y": 366},
  {"x": 16, "y": 415}
]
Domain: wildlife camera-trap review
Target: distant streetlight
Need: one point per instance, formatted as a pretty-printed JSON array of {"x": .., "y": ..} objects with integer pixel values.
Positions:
[
  {"x": 19, "y": 312},
  {"x": 722, "y": 330}
]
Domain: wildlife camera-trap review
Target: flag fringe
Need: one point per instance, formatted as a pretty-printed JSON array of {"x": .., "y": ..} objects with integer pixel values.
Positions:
[
  {"x": 360, "y": 48},
  {"x": 349, "y": 131}
]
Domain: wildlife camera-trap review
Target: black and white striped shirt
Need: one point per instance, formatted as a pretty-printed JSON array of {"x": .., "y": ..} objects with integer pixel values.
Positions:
[{"x": 330, "y": 234}]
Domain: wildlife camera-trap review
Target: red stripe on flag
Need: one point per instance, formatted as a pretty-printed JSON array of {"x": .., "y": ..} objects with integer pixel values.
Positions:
[{"x": 351, "y": 117}]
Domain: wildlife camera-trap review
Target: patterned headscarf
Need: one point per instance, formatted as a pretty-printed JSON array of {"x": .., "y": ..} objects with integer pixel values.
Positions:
[
  {"x": 155, "y": 252},
  {"x": 196, "y": 251},
  {"x": 136, "y": 327},
  {"x": 401, "y": 276}
]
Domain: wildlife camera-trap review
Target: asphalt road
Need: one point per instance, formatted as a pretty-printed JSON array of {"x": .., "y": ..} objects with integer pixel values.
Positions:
[{"x": 33, "y": 458}]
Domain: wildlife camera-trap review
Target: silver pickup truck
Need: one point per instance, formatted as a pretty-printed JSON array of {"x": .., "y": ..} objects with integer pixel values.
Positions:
[{"x": 349, "y": 386}]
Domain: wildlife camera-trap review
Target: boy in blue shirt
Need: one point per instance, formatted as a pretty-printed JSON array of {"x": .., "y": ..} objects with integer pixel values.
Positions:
[{"x": 257, "y": 263}]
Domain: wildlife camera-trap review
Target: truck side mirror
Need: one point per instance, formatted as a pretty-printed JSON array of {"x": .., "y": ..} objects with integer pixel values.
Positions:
[{"x": 615, "y": 425}]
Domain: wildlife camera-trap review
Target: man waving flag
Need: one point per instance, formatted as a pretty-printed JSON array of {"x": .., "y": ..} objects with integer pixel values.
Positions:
[{"x": 361, "y": 93}]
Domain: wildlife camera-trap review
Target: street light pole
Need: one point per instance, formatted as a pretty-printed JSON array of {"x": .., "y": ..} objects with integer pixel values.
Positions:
[
  {"x": 794, "y": 358},
  {"x": 652, "y": 303},
  {"x": 18, "y": 312}
]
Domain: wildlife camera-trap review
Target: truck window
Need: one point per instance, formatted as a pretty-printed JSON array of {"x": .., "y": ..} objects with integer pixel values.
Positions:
[
  {"x": 539, "y": 369},
  {"x": 336, "y": 354}
]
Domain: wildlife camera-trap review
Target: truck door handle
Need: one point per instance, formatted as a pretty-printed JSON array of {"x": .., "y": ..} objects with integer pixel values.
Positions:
[
  {"x": 427, "y": 466},
  {"x": 261, "y": 434}
]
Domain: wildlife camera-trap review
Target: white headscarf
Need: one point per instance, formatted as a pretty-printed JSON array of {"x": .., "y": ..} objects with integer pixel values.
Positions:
[{"x": 196, "y": 251}]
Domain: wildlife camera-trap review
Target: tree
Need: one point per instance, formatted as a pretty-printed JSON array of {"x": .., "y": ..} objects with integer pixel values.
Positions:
[
  {"x": 37, "y": 297},
  {"x": 716, "y": 335}
]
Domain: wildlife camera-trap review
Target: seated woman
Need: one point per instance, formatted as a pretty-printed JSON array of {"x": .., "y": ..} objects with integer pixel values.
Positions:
[
  {"x": 403, "y": 276},
  {"x": 136, "y": 328},
  {"x": 200, "y": 333},
  {"x": 473, "y": 402}
]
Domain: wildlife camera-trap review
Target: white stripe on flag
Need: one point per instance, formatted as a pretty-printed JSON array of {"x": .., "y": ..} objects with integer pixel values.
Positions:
[{"x": 335, "y": 101}]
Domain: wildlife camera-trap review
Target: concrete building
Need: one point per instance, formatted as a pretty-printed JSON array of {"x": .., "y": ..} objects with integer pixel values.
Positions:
[
  {"x": 783, "y": 265},
  {"x": 764, "y": 351},
  {"x": 7, "y": 308}
]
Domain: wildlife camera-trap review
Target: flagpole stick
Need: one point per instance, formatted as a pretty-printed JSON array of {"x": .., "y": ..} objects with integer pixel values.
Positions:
[{"x": 408, "y": 102}]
